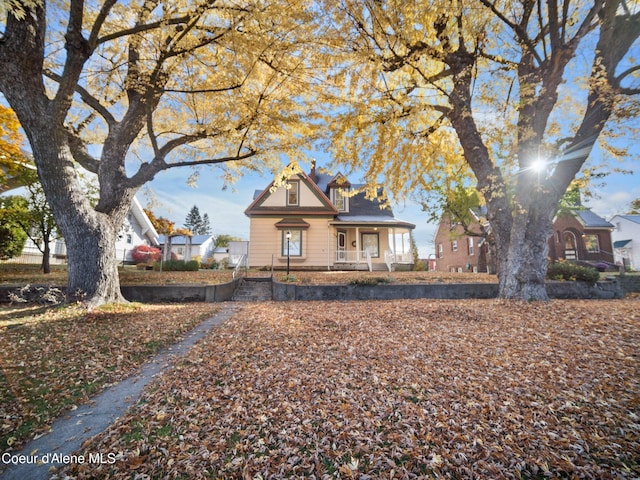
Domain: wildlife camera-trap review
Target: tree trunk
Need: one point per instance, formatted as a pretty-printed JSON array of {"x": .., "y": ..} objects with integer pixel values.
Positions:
[
  {"x": 46, "y": 257},
  {"x": 525, "y": 271},
  {"x": 90, "y": 236},
  {"x": 93, "y": 266}
]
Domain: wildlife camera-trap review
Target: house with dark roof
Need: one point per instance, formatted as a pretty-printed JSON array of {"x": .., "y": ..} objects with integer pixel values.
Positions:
[
  {"x": 320, "y": 221},
  {"x": 582, "y": 236},
  {"x": 579, "y": 235},
  {"x": 626, "y": 240}
]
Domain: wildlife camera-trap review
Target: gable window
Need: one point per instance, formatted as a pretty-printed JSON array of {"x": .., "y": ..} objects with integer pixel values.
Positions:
[
  {"x": 340, "y": 200},
  {"x": 471, "y": 246},
  {"x": 292, "y": 246},
  {"x": 371, "y": 244},
  {"x": 293, "y": 193},
  {"x": 591, "y": 243},
  {"x": 440, "y": 251}
]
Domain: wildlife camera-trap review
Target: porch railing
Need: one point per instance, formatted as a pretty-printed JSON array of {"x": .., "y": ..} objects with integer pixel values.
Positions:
[
  {"x": 240, "y": 267},
  {"x": 351, "y": 256},
  {"x": 400, "y": 257}
]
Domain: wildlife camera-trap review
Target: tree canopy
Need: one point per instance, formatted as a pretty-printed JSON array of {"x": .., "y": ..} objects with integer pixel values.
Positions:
[
  {"x": 514, "y": 93},
  {"x": 128, "y": 89},
  {"x": 15, "y": 168}
]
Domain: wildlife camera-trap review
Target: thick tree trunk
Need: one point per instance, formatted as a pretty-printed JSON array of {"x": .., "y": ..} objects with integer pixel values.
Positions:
[
  {"x": 93, "y": 266},
  {"x": 524, "y": 275},
  {"x": 89, "y": 235}
]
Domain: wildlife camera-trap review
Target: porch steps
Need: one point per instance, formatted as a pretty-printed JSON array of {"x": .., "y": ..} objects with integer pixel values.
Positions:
[
  {"x": 379, "y": 267},
  {"x": 253, "y": 290}
]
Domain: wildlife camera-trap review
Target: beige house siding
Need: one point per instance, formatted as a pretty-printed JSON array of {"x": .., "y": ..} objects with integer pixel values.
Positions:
[
  {"x": 266, "y": 244},
  {"x": 279, "y": 197}
]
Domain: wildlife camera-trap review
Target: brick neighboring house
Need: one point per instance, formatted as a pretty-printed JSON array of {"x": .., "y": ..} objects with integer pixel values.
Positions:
[
  {"x": 458, "y": 252},
  {"x": 579, "y": 235},
  {"x": 584, "y": 237}
]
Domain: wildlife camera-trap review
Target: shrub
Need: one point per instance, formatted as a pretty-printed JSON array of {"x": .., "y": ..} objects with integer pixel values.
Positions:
[
  {"x": 572, "y": 272},
  {"x": 145, "y": 254},
  {"x": 178, "y": 266}
]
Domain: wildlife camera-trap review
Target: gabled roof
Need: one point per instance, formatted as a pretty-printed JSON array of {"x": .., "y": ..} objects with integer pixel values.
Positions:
[
  {"x": 590, "y": 219},
  {"x": 631, "y": 218},
  {"x": 339, "y": 181},
  {"x": 146, "y": 226},
  {"x": 257, "y": 208},
  {"x": 362, "y": 211}
]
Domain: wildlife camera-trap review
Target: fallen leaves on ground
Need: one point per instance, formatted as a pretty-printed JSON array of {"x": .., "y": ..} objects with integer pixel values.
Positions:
[
  {"x": 13, "y": 274},
  {"x": 393, "y": 389},
  {"x": 55, "y": 358},
  {"x": 344, "y": 277}
]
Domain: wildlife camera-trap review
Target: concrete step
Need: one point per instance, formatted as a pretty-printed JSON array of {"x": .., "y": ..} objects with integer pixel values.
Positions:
[
  {"x": 253, "y": 290},
  {"x": 379, "y": 267}
]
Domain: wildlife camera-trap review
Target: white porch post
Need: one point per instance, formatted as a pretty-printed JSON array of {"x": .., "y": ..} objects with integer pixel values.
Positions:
[
  {"x": 328, "y": 246},
  {"x": 357, "y": 244},
  {"x": 395, "y": 251}
]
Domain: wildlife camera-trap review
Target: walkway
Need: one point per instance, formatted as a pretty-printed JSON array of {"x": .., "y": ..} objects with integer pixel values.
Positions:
[{"x": 69, "y": 432}]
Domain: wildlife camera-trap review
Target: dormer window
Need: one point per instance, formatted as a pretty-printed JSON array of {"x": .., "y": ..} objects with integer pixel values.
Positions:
[
  {"x": 339, "y": 187},
  {"x": 340, "y": 199}
]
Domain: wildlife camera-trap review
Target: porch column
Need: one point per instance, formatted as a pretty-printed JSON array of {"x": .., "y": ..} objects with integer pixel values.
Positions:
[
  {"x": 357, "y": 244},
  {"x": 393, "y": 232},
  {"x": 328, "y": 246}
]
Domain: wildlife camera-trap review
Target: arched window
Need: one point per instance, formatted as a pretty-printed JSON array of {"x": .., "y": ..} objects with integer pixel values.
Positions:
[{"x": 570, "y": 246}]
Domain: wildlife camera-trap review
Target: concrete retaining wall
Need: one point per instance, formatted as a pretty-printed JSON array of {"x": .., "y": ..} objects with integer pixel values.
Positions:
[
  {"x": 179, "y": 293},
  {"x": 564, "y": 290},
  {"x": 287, "y": 292},
  {"x": 156, "y": 293},
  {"x": 629, "y": 283}
]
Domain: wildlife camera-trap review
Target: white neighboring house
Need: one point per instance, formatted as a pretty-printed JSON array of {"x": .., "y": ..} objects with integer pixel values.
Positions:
[
  {"x": 136, "y": 230},
  {"x": 626, "y": 240},
  {"x": 202, "y": 246}
]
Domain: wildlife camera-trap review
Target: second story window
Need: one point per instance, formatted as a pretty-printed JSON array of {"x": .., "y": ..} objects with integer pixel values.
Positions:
[
  {"x": 440, "y": 251},
  {"x": 454, "y": 246},
  {"x": 340, "y": 200},
  {"x": 471, "y": 246},
  {"x": 293, "y": 193}
]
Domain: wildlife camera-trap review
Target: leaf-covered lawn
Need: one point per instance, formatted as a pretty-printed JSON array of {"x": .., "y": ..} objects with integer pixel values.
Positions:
[
  {"x": 30, "y": 274},
  {"x": 395, "y": 389},
  {"x": 54, "y": 358},
  {"x": 344, "y": 277}
]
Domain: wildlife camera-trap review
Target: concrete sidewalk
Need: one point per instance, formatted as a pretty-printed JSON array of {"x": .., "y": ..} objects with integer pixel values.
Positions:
[{"x": 68, "y": 433}]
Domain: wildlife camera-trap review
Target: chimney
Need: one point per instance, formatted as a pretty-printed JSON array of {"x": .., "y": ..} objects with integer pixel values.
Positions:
[{"x": 312, "y": 173}]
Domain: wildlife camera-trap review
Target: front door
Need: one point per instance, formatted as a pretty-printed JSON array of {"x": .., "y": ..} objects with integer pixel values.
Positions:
[{"x": 342, "y": 247}]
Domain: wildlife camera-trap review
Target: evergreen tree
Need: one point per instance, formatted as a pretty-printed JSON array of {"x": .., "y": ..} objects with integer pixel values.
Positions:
[
  {"x": 193, "y": 221},
  {"x": 205, "y": 228}
]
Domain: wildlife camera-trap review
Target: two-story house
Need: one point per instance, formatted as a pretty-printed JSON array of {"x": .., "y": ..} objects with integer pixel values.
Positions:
[
  {"x": 318, "y": 221},
  {"x": 579, "y": 235}
]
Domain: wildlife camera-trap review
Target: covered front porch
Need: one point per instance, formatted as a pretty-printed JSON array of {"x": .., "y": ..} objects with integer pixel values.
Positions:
[{"x": 370, "y": 247}]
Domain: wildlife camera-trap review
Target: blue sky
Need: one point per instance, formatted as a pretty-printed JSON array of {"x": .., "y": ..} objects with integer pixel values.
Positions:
[{"x": 225, "y": 207}]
